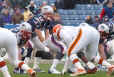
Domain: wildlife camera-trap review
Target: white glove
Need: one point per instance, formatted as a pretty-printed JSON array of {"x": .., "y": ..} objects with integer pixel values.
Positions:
[{"x": 46, "y": 49}]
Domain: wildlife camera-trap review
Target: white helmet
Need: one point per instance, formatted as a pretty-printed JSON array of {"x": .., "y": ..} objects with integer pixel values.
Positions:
[
  {"x": 103, "y": 28},
  {"x": 47, "y": 9},
  {"x": 26, "y": 26}
]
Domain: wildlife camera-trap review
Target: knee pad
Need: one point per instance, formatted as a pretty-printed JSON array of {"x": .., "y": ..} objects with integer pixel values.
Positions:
[{"x": 59, "y": 55}]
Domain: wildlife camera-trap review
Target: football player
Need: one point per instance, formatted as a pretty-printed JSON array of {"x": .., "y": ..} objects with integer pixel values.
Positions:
[
  {"x": 78, "y": 38},
  {"x": 9, "y": 42}
]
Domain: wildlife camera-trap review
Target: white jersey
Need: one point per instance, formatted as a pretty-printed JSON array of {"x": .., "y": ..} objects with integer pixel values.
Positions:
[
  {"x": 77, "y": 38},
  {"x": 9, "y": 42},
  {"x": 6, "y": 37},
  {"x": 67, "y": 34}
]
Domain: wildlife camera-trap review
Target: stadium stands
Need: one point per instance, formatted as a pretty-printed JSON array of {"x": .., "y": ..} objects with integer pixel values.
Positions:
[{"x": 78, "y": 14}]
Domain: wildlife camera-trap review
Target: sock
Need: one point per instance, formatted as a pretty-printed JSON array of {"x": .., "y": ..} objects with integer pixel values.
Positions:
[
  {"x": 54, "y": 64},
  {"x": 5, "y": 71},
  {"x": 36, "y": 63}
]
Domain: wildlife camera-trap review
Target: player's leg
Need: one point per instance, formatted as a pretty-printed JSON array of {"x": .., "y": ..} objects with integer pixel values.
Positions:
[
  {"x": 40, "y": 46},
  {"x": 76, "y": 46},
  {"x": 91, "y": 52},
  {"x": 55, "y": 62},
  {"x": 3, "y": 68},
  {"x": 75, "y": 60},
  {"x": 36, "y": 60},
  {"x": 28, "y": 55},
  {"x": 12, "y": 51},
  {"x": 59, "y": 48}
]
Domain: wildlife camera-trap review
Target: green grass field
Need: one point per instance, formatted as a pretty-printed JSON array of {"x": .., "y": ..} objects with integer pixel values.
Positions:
[{"x": 45, "y": 67}]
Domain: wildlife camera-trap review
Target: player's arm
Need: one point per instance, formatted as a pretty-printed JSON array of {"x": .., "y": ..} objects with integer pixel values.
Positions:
[
  {"x": 101, "y": 51},
  {"x": 46, "y": 34},
  {"x": 39, "y": 34}
]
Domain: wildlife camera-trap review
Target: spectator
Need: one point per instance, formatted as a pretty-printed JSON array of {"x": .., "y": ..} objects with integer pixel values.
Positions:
[
  {"x": 7, "y": 7},
  {"x": 89, "y": 20},
  {"x": 32, "y": 7},
  {"x": 44, "y": 3},
  {"x": 17, "y": 17},
  {"x": 102, "y": 2},
  {"x": 107, "y": 10},
  {"x": 106, "y": 19},
  {"x": 5, "y": 17},
  {"x": 96, "y": 21},
  {"x": 112, "y": 19},
  {"x": 26, "y": 14},
  {"x": 57, "y": 19},
  {"x": 54, "y": 7},
  {"x": 59, "y": 4},
  {"x": 1, "y": 7}
]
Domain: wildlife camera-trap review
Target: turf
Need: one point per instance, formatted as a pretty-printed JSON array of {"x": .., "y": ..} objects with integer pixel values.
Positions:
[{"x": 46, "y": 66}]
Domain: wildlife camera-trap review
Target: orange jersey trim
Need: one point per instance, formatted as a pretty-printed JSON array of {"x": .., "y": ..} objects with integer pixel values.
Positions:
[{"x": 72, "y": 46}]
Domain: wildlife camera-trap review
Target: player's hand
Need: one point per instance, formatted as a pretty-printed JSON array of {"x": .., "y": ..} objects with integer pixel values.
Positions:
[{"x": 47, "y": 49}]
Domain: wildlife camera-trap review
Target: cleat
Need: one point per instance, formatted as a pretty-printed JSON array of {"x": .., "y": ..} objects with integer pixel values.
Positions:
[
  {"x": 110, "y": 70},
  {"x": 79, "y": 72},
  {"x": 92, "y": 71},
  {"x": 53, "y": 71},
  {"x": 69, "y": 71}
]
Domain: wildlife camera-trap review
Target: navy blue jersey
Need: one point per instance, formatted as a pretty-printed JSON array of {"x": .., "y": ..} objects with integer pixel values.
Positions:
[{"x": 39, "y": 22}]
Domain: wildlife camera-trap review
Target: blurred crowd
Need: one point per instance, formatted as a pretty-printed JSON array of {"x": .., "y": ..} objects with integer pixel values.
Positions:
[
  {"x": 16, "y": 15},
  {"x": 106, "y": 15}
]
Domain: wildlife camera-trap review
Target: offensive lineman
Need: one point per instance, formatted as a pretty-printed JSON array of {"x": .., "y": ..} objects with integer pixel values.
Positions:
[{"x": 9, "y": 42}]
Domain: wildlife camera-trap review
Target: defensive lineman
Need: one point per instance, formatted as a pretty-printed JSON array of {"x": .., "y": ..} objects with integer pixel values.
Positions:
[{"x": 78, "y": 38}]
